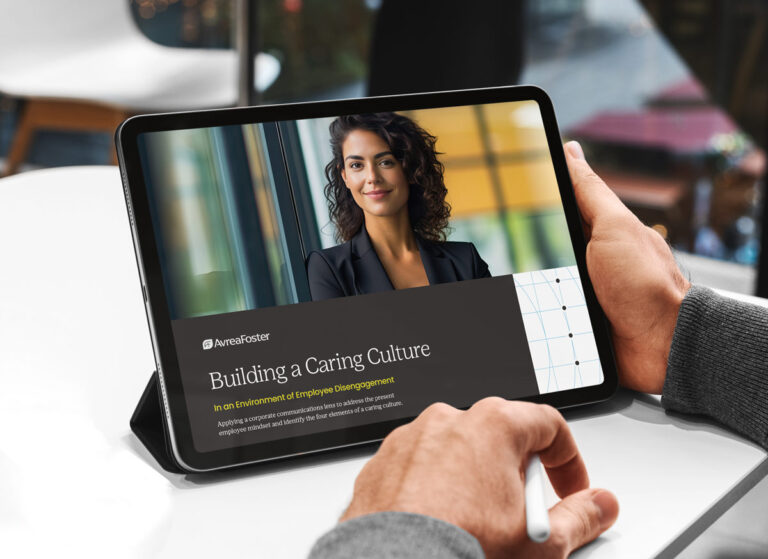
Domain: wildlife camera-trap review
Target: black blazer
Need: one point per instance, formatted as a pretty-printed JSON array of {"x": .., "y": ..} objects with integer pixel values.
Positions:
[{"x": 354, "y": 268}]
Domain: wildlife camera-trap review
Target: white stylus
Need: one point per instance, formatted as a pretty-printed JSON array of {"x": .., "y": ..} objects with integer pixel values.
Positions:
[{"x": 536, "y": 514}]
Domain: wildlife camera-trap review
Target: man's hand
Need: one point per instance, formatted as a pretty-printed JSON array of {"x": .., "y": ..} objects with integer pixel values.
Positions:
[
  {"x": 468, "y": 467},
  {"x": 635, "y": 277}
]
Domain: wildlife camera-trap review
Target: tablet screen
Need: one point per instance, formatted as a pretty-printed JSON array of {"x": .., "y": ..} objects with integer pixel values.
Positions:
[{"x": 327, "y": 273}]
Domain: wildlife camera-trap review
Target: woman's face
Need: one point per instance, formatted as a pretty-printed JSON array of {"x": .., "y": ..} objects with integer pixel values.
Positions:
[{"x": 375, "y": 178}]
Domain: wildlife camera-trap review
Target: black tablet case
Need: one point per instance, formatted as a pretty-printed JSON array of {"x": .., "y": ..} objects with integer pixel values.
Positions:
[{"x": 148, "y": 424}]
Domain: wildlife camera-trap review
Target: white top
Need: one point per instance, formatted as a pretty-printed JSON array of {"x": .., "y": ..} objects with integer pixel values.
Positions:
[
  {"x": 92, "y": 51},
  {"x": 75, "y": 356}
]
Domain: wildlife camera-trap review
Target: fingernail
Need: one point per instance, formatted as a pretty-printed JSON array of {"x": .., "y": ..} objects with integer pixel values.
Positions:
[
  {"x": 574, "y": 148},
  {"x": 608, "y": 506}
]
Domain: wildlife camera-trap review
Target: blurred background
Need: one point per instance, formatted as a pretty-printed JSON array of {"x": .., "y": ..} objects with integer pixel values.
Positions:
[{"x": 669, "y": 98}]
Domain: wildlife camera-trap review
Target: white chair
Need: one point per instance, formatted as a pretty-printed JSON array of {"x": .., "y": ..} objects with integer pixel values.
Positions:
[{"x": 83, "y": 64}]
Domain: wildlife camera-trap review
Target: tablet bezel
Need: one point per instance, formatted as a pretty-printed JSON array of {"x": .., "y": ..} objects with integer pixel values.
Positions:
[{"x": 156, "y": 303}]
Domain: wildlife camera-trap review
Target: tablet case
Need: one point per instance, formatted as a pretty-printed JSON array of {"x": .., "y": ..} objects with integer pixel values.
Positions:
[{"x": 148, "y": 424}]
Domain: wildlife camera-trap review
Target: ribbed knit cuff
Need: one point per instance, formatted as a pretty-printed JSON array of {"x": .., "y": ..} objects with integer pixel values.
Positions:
[
  {"x": 718, "y": 363},
  {"x": 396, "y": 535}
]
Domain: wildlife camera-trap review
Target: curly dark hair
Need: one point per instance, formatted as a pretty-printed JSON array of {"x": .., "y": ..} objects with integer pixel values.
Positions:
[{"x": 414, "y": 148}]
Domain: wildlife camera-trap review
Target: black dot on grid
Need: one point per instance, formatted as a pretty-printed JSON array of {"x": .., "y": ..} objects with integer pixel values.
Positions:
[
  {"x": 563, "y": 307},
  {"x": 557, "y": 280},
  {"x": 570, "y": 335},
  {"x": 577, "y": 362}
]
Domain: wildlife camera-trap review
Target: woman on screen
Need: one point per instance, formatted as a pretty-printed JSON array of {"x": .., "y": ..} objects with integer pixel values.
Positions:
[{"x": 386, "y": 197}]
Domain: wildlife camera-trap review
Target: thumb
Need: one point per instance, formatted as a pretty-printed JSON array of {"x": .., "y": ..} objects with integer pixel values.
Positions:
[
  {"x": 593, "y": 196},
  {"x": 580, "y": 518}
]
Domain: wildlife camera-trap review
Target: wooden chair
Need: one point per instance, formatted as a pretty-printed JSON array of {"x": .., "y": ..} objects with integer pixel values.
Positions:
[{"x": 84, "y": 65}]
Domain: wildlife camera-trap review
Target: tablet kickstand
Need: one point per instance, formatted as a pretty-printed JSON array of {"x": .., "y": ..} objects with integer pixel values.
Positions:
[{"x": 148, "y": 424}]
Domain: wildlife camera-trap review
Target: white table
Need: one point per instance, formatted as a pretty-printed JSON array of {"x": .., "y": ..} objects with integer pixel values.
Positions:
[{"x": 75, "y": 355}]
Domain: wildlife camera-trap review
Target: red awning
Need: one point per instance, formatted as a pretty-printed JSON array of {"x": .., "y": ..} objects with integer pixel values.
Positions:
[
  {"x": 680, "y": 130},
  {"x": 686, "y": 91}
]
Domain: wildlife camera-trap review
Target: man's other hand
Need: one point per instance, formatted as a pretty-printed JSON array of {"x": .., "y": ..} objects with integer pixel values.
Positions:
[{"x": 635, "y": 276}]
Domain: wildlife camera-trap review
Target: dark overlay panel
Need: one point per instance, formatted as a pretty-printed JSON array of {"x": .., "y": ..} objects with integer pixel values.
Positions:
[{"x": 281, "y": 372}]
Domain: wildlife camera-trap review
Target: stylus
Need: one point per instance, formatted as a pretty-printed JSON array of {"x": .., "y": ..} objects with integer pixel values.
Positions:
[{"x": 536, "y": 514}]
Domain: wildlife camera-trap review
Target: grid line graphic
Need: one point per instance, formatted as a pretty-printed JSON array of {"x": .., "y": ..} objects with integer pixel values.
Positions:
[{"x": 558, "y": 329}]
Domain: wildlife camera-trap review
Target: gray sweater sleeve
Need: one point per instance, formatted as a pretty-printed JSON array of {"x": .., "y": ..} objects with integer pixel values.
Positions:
[
  {"x": 396, "y": 535},
  {"x": 718, "y": 363}
]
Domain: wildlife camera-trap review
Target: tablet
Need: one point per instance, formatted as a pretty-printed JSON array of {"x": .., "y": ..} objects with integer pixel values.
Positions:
[{"x": 317, "y": 274}]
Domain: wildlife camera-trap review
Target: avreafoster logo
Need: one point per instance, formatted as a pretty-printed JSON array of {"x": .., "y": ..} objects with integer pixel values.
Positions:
[{"x": 213, "y": 343}]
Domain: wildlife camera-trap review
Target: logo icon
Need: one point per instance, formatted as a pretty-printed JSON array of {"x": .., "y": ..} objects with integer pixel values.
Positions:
[{"x": 207, "y": 344}]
